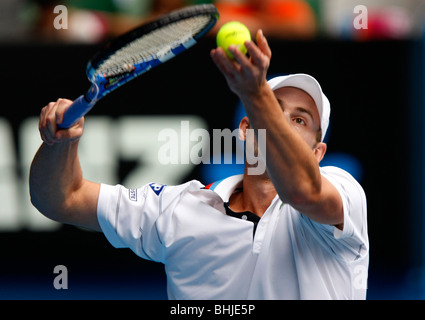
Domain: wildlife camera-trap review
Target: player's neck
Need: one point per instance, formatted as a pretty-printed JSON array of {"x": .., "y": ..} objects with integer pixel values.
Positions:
[{"x": 256, "y": 195}]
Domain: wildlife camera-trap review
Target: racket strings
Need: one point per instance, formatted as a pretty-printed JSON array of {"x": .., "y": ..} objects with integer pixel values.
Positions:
[{"x": 152, "y": 45}]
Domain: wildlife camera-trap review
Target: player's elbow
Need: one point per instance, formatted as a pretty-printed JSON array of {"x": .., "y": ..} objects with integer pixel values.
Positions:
[
  {"x": 321, "y": 208},
  {"x": 50, "y": 209},
  {"x": 45, "y": 210},
  {"x": 35, "y": 198},
  {"x": 303, "y": 200},
  {"x": 305, "y": 194}
]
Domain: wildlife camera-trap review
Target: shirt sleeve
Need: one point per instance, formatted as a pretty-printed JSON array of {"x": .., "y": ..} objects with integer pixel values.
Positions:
[
  {"x": 128, "y": 217},
  {"x": 352, "y": 241},
  {"x": 135, "y": 219},
  {"x": 354, "y": 203}
]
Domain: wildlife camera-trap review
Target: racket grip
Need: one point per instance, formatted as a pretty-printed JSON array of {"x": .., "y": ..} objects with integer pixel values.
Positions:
[{"x": 75, "y": 112}]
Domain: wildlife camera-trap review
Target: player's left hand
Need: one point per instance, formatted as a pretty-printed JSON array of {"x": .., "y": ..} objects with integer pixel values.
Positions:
[{"x": 245, "y": 75}]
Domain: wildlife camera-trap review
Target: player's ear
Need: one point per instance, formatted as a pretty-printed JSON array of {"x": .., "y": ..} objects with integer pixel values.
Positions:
[
  {"x": 320, "y": 150},
  {"x": 243, "y": 125}
]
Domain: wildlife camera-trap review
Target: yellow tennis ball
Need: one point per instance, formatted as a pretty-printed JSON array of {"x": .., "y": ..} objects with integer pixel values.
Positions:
[{"x": 235, "y": 33}]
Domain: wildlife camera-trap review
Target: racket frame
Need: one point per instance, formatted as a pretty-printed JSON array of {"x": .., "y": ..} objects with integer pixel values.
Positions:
[{"x": 101, "y": 85}]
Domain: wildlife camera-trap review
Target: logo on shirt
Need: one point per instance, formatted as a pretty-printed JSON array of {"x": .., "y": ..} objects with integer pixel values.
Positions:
[
  {"x": 132, "y": 194},
  {"x": 157, "y": 188}
]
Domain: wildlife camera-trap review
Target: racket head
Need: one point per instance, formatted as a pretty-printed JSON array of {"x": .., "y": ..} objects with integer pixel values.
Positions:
[{"x": 147, "y": 46}]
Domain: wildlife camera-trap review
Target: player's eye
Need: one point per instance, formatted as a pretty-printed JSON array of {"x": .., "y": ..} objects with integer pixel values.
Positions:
[{"x": 299, "y": 121}]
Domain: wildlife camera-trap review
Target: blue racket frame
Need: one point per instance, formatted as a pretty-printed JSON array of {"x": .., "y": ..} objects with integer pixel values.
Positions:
[{"x": 103, "y": 85}]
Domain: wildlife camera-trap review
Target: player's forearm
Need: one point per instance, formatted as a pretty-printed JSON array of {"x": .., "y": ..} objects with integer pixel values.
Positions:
[
  {"x": 290, "y": 162},
  {"x": 55, "y": 174}
]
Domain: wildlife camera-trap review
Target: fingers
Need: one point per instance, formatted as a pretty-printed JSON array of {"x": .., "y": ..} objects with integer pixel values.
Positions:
[
  {"x": 239, "y": 57},
  {"x": 50, "y": 116},
  {"x": 63, "y": 104},
  {"x": 245, "y": 74},
  {"x": 263, "y": 44},
  {"x": 231, "y": 68},
  {"x": 261, "y": 53},
  {"x": 47, "y": 123},
  {"x": 259, "y": 56},
  {"x": 224, "y": 64}
]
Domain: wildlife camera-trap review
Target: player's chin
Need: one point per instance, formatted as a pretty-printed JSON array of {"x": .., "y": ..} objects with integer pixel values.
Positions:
[{"x": 256, "y": 167}]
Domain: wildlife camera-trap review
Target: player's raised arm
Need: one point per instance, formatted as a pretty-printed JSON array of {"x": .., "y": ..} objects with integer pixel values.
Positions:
[
  {"x": 292, "y": 156},
  {"x": 57, "y": 187}
]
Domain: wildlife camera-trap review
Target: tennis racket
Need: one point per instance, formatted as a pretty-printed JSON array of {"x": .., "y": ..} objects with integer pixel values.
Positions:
[{"x": 138, "y": 51}]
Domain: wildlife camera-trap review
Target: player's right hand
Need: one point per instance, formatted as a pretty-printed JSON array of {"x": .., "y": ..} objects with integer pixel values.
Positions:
[{"x": 52, "y": 115}]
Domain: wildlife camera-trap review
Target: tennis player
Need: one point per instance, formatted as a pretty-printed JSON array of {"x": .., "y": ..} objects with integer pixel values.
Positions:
[{"x": 297, "y": 231}]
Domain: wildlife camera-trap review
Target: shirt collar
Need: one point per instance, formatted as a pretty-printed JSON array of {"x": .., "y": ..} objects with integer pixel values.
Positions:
[{"x": 225, "y": 187}]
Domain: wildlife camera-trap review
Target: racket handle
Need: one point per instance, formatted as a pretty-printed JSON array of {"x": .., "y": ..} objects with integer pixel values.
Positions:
[{"x": 75, "y": 112}]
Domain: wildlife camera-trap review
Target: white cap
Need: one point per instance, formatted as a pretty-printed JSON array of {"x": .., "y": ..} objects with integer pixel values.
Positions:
[{"x": 312, "y": 87}]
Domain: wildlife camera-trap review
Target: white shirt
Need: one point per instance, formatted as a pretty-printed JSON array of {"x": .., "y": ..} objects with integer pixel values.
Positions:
[{"x": 209, "y": 255}]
